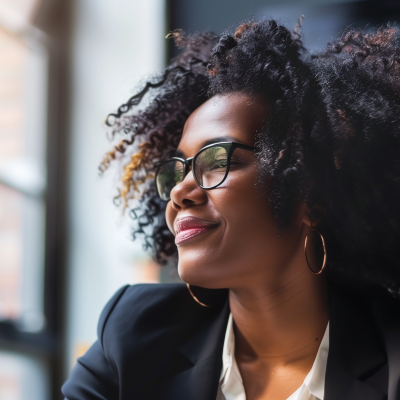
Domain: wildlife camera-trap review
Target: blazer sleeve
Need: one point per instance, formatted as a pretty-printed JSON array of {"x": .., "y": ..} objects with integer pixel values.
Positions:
[{"x": 92, "y": 377}]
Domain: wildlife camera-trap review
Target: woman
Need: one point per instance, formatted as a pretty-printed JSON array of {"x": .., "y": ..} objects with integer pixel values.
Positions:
[{"x": 277, "y": 182}]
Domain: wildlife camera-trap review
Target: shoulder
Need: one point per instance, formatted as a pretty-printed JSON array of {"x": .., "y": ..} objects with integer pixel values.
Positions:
[
  {"x": 148, "y": 322},
  {"x": 139, "y": 299},
  {"x": 144, "y": 297},
  {"x": 151, "y": 293},
  {"x": 147, "y": 308},
  {"x": 137, "y": 325},
  {"x": 386, "y": 310}
]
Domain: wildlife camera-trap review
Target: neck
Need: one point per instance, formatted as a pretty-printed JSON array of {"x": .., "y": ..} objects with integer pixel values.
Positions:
[{"x": 282, "y": 324}]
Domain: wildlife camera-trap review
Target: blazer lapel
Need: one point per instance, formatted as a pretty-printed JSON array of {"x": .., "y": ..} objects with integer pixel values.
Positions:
[
  {"x": 357, "y": 365},
  {"x": 202, "y": 352}
]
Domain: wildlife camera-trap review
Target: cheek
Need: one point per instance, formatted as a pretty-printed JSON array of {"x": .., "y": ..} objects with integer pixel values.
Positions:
[
  {"x": 170, "y": 215},
  {"x": 251, "y": 224},
  {"x": 242, "y": 199},
  {"x": 248, "y": 216}
]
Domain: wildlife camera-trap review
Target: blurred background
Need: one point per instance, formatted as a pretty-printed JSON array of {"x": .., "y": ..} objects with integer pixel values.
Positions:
[{"x": 64, "y": 247}]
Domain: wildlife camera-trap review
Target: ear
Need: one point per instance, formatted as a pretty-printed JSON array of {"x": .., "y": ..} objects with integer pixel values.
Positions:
[{"x": 314, "y": 215}]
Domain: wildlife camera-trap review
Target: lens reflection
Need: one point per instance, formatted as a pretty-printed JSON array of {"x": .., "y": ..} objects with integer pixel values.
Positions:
[
  {"x": 211, "y": 165},
  {"x": 168, "y": 176}
]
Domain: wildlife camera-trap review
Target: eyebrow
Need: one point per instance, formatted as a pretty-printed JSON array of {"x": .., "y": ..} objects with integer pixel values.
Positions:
[
  {"x": 222, "y": 139},
  {"x": 179, "y": 153}
]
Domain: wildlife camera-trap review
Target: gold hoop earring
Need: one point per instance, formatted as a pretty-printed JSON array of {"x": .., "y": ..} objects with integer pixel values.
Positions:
[
  {"x": 305, "y": 252},
  {"x": 195, "y": 298}
]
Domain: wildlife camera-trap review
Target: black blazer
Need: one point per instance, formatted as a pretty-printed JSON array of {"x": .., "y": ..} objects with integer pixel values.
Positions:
[{"x": 155, "y": 342}]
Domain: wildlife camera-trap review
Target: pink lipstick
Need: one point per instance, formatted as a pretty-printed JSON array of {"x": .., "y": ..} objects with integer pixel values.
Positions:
[{"x": 188, "y": 227}]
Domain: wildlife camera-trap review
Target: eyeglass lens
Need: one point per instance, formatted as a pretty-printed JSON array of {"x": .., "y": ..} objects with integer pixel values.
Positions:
[
  {"x": 168, "y": 176},
  {"x": 210, "y": 168}
]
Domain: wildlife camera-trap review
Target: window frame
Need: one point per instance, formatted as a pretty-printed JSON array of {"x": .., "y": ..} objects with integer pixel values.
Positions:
[{"x": 51, "y": 30}]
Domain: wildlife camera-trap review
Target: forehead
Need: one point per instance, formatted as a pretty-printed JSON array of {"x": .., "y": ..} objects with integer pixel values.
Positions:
[{"x": 233, "y": 117}]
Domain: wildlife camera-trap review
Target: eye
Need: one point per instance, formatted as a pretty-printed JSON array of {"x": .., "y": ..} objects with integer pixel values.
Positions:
[
  {"x": 219, "y": 164},
  {"x": 237, "y": 160}
]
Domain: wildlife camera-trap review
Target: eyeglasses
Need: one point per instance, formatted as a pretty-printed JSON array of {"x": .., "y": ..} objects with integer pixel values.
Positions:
[{"x": 210, "y": 168}]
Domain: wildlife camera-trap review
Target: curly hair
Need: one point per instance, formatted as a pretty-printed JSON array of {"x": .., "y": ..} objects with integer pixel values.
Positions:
[
  {"x": 333, "y": 140},
  {"x": 359, "y": 77},
  {"x": 154, "y": 132}
]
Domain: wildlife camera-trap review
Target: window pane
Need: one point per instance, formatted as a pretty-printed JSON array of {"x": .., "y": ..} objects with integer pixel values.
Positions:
[
  {"x": 22, "y": 377},
  {"x": 12, "y": 82},
  {"x": 21, "y": 263},
  {"x": 22, "y": 114}
]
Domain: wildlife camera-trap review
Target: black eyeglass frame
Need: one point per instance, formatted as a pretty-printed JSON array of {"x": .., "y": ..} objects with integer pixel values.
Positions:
[{"x": 189, "y": 162}]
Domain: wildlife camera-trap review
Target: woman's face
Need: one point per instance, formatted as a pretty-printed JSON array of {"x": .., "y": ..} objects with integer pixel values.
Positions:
[{"x": 226, "y": 235}]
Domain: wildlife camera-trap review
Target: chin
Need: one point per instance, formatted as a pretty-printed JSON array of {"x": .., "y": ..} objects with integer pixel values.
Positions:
[{"x": 203, "y": 272}]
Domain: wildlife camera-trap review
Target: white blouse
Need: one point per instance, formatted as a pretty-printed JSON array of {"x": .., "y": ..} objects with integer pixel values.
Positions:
[{"x": 231, "y": 384}]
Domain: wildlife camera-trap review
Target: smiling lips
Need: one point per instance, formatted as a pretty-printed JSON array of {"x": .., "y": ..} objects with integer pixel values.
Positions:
[{"x": 189, "y": 227}]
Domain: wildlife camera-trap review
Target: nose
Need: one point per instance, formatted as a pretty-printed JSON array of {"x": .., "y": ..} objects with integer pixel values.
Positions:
[{"x": 187, "y": 194}]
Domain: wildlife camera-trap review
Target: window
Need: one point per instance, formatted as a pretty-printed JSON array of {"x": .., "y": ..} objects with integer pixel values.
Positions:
[
  {"x": 22, "y": 377},
  {"x": 22, "y": 179},
  {"x": 24, "y": 335}
]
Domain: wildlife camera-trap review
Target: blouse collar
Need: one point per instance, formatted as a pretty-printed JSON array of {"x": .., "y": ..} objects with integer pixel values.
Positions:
[{"x": 231, "y": 384}]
